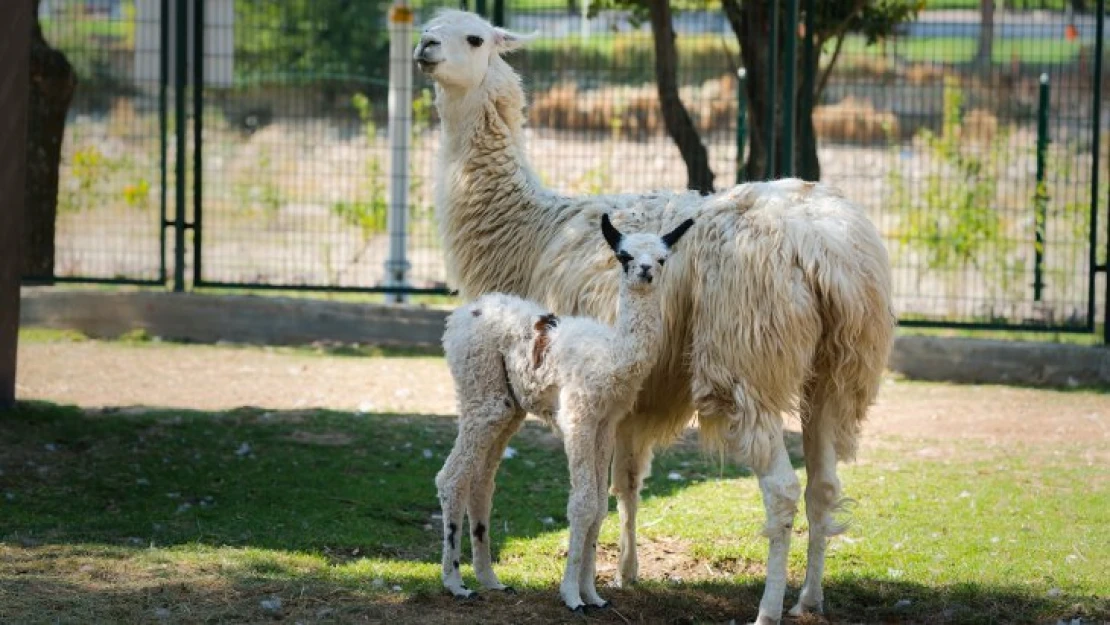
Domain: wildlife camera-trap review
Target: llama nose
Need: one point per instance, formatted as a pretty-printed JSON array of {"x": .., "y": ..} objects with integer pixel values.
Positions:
[{"x": 425, "y": 43}]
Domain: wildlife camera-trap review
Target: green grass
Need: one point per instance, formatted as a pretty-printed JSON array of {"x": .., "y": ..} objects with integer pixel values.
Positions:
[
  {"x": 958, "y": 50},
  {"x": 109, "y": 516}
]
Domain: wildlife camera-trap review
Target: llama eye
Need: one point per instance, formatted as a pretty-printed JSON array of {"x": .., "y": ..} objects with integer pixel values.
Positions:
[
  {"x": 624, "y": 257},
  {"x": 661, "y": 261},
  {"x": 475, "y": 41}
]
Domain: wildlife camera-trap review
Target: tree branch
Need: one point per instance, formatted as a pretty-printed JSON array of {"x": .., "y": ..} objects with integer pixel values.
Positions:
[
  {"x": 676, "y": 118},
  {"x": 840, "y": 33}
]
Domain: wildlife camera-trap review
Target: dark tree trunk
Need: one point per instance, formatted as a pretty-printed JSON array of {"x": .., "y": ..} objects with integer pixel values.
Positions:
[
  {"x": 675, "y": 116},
  {"x": 53, "y": 82},
  {"x": 15, "y": 26},
  {"x": 986, "y": 32},
  {"x": 751, "y": 23}
]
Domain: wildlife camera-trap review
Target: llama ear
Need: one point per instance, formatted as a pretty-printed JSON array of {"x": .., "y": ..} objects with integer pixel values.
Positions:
[
  {"x": 612, "y": 235},
  {"x": 673, "y": 236},
  {"x": 505, "y": 41}
]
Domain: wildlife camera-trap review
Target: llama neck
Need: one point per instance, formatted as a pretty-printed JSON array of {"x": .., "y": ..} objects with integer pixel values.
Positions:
[
  {"x": 639, "y": 325},
  {"x": 486, "y": 192}
]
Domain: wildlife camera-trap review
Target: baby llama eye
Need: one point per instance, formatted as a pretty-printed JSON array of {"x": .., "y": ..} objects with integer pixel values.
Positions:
[{"x": 475, "y": 41}]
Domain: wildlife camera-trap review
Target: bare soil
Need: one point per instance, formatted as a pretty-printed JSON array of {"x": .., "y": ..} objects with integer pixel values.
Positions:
[{"x": 96, "y": 374}]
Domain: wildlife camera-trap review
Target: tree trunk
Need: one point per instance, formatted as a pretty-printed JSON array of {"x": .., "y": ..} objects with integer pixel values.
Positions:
[
  {"x": 15, "y": 26},
  {"x": 751, "y": 23},
  {"x": 675, "y": 116},
  {"x": 53, "y": 82},
  {"x": 986, "y": 32}
]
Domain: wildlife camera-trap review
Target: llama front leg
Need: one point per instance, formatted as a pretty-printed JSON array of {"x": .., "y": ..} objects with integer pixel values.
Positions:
[
  {"x": 481, "y": 499},
  {"x": 631, "y": 464},
  {"x": 780, "y": 489},
  {"x": 588, "y": 579},
  {"x": 581, "y": 508}
]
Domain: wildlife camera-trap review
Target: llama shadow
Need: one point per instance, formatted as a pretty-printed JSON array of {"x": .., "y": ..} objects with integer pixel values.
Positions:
[
  {"x": 257, "y": 597},
  {"x": 343, "y": 484}
]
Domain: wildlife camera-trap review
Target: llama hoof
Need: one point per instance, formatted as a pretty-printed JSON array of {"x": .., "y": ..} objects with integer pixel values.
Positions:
[
  {"x": 800, "y": 609},
  {"x": 468, "y": 595},
  {"x": 508, "y": 590},
  {"x": 604, "y": 605},
  {"x": 578, "y": 611}
]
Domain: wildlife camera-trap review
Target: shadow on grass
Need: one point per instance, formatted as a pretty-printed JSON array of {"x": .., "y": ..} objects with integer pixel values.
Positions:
[
  {"x": 301, "y": 599},
  {"x": 339, "y": 483},
  {"x": 83, "y": 496}
]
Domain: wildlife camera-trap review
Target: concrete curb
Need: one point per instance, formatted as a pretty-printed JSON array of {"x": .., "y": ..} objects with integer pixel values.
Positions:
[{"x": 290, "y": 321}]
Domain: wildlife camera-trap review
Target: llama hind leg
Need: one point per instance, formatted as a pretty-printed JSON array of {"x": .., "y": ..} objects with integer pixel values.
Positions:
[
  {"x": 822, "y": 494},
  {"x": 481, "y": 497},
  {"x": 755, "y": 432},
  {"x": 631, "y": 464},
  {"x": 453, "y": 483},
  {"x": 780, "y": 489}
]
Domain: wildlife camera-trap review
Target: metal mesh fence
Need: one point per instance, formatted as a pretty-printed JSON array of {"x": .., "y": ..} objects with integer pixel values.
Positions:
[
  {"x": 941, "y": 145},
  {"x": 109, "y": 197},
  {"x": 938, "y": 142}
]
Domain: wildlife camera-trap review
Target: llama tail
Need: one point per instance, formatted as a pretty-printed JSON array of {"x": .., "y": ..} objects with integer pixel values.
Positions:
[{"x": 857, "y": 332}]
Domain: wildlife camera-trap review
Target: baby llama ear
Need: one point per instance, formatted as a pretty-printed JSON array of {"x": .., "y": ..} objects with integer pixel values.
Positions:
[
  {"x": 612, "y": 235},
  {"x": 673, "y": 236},
  {"x": 505, "y": 41}
]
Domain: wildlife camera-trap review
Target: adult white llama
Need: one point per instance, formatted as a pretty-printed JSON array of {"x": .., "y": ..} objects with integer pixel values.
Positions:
[
  {"x": 782, "y": 302},
  {"x": 509, "y": 356}
]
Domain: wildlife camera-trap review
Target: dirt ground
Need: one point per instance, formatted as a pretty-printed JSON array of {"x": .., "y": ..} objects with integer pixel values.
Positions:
[{"x": 99, "y": 374}]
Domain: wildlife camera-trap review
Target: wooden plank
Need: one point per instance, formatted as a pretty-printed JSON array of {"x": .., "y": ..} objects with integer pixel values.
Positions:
[{"x": 15, "y": 47}]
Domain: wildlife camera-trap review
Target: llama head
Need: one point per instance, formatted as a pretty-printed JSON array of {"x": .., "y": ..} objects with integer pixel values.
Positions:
[
  {"x": 641, "y": 255},
  {"x": 456, "y": 48}
]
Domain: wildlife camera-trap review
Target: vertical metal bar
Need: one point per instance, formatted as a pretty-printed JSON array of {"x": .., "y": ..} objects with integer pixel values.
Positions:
[
  {"x": 1040, "y": 198},
  {"x": 741, "y": 122},
  {"x": 498, "y": 12},
  {"x": 1096, "y": 139},
  {"x": 400, "y": 132},
  {"x": 198, "y": 127},
  {"x": 181, "y": 28},
  {"x": 1097, "y": 142},
  {"x": 768, "y": 172},
  {"x": 480, "y": 7},
  {"x": 789, "y": 92},
  {"x": 163, "y": 127},
  {"x": 809, "y": 62}
]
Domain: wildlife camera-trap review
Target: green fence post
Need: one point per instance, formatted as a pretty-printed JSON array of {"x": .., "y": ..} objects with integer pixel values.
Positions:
[
  {"x": 809, "y": 63},
  {"x": 789, "y": 94},
  {"x": 769, "y": 153},
  {"x": 1040, "y": 198},
  {"x": 741, "y": 123},
  {"x": 198, "y": 139},
  {"x": 163, "y": 132},
  {"x": 498, "y": 12},
  {"x": 181, "y": 30},
  {"x": 480, "y": 7}
]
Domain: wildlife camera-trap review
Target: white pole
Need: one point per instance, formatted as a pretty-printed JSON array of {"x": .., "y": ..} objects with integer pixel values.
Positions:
[
  {"x": 400, "y": 124},
  {"x": 585, "y": 19}
]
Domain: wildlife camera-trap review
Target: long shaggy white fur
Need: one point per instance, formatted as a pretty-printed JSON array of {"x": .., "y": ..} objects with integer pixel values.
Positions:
[
  {"x": 782, "y": 303},
  {"x": 509, "y": 356}
]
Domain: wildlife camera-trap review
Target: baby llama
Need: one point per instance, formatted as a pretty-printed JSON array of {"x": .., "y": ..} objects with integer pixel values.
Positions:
[{"x": 508, "y": 357}]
